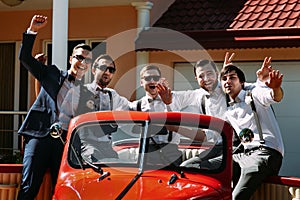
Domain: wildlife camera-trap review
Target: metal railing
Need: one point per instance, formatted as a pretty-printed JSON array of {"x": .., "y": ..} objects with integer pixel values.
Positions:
[{"x": 12, "y": 152}]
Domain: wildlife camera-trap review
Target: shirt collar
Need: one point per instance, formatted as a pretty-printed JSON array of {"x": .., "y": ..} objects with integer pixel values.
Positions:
[
  {"x": 150, "y": 99},
  {"x": 95, "y": 87},
  {"x": 239, "y": 98}
]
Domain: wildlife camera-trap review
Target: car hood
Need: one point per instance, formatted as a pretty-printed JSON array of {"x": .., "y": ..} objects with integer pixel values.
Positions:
[{"x": 150, "y": 185}]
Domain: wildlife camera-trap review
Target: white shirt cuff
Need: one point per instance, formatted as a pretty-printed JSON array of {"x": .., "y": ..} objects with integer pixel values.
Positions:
[{"x": 31, "y": 32}]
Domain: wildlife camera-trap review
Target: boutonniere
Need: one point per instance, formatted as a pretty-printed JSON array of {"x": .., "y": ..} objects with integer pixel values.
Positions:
[
  {"x": 90, "y": 104},
  {"x": 248, "y": 98}
]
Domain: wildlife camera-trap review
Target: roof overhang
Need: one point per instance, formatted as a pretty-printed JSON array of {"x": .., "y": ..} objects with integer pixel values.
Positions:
[{"x": 164, "y": 39}]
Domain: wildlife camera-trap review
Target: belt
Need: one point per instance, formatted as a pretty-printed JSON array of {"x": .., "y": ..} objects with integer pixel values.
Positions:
[{"x": 259, "y": 148}]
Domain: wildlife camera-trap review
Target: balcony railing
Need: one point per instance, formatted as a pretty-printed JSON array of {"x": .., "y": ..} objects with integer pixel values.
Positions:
[{"x": 11, "y": 145}]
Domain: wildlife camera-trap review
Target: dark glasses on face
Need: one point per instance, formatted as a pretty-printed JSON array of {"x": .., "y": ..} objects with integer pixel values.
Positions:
[
  {"x": 105, "y": 67},
  {"x": 149, "y": 78},
  {"x": 81, "y": 58}
]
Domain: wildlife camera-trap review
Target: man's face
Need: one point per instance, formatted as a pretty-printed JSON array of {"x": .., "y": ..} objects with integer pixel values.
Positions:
[
  {"x": 149, "y": 81},
  {"x": 207, "y": 77},
  {"x": 80, "y": 62},
  {"x": 104, "y": 72},
  {"x": 231, "y": 84}
]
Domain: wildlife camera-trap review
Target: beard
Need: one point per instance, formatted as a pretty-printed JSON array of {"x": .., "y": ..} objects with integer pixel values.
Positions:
[{"x": 103, "y": 83}]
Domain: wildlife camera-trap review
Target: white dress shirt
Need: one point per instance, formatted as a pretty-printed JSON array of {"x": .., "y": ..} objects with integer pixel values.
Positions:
[
  {"x": 148, "y": 104},
  {"x": 240, "y": 115}
]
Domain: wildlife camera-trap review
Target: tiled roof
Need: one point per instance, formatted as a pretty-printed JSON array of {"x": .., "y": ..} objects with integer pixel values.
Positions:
[
  {"x": 189, "y": 15},
  {"x": 268, "y": 14},
  {"x": 218, "y": 24}
]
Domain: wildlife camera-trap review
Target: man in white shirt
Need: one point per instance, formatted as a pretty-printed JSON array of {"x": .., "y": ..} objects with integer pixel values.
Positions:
[
  {"x": 263, "y": 156},
  {"x": 163, "y": 148},
  {"x": 209, "y": 99},
  {"x": 95, "y": 96}
]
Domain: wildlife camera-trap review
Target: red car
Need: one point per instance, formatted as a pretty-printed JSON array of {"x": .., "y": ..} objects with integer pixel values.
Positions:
[{"x": 107, "y": 156}]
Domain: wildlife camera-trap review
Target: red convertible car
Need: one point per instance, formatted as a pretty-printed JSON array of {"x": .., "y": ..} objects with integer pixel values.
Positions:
[{"x": 110, "y": 155}]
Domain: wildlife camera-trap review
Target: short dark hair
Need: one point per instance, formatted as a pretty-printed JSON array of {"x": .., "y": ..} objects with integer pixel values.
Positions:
[
  {"x": 149, "y": 67},
  {"x": 82, "y": 46},
  {"x": 201, "y": 63},
  {"x": 238, "y": 71},
  {"x": 106, "y": 57}
]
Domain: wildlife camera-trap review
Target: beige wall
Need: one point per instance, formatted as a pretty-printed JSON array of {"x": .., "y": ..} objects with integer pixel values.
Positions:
[
  {"x": 84, "y": 23},
  {"x": 107, "y": 22},
  {"x": 169, "y": 58}
]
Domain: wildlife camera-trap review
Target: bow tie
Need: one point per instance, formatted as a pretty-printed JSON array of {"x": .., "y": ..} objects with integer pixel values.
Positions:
[
  {"x": 102, "y": 90},
  {"x": 150, "y": 100},
  {"x": 234, "y": 101},
  {"x": 73, "y": 80}
]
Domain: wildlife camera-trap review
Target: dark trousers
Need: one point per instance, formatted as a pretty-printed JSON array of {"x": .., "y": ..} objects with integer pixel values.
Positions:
[
  {"x": 39, "y": 155},
  {"x": 165, "y": 154},
  {"x": 253, "y": 167},
  {"x": 208, "y": 159}
]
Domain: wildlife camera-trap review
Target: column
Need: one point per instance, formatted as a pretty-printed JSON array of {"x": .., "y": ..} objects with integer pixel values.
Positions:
[
  {"x": 60, "y": 33},
  {"x": 143, "y": 20}
]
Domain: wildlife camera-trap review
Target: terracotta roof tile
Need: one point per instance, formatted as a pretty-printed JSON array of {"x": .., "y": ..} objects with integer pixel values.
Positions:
[
  {"x": 270, "y": 23},
  {"x": 280, "y": 8},
  {"x": 269, "y": 8},
  {"x": 291, "y": 22},
  {"x": 267, "y": 14},
  {"x": 297, "y": 23}
]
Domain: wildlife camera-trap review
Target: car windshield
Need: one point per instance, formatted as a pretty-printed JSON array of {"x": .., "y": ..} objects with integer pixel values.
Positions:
[{"x": 154, "y": 145}]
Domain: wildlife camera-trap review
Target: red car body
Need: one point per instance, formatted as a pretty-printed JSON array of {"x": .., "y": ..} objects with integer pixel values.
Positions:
[{"x": 135, "y": 179}]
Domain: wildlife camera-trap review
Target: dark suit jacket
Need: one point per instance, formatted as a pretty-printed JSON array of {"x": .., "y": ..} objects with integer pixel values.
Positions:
[{"x": 43, "y": 111}]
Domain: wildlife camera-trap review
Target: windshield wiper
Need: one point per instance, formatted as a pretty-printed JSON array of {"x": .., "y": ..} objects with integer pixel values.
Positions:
[
  {"x": 81, "y": 162},
  {"x": 97, "y": 169}
]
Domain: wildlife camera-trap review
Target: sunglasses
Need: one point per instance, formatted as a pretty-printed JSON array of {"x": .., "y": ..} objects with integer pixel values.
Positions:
[
  {"x": 149, "y": 78},
  {"x": 81, "y": 58},
  {"x": 105, "y": 67}
]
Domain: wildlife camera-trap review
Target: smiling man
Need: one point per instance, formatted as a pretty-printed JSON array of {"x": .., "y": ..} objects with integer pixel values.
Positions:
[
  {"x": 95, "y": 96},
  {"x": 163, "y": 148},
  {"x": 41, "y": 150},
  {"x": 262, "y": 156}
]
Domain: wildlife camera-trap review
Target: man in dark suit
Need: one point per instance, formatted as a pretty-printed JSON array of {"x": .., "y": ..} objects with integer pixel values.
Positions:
[{"x": 41, "y": 150}]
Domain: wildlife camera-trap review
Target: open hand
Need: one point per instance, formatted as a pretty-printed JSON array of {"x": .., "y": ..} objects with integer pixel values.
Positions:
[
  {"x": 275, "y": 79},
  {"x": 164, "y": 91}
]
